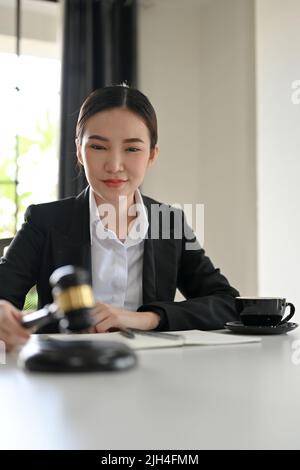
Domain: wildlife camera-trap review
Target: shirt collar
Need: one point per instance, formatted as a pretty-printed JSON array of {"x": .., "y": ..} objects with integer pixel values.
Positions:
[{"x": 138, "y": 228}]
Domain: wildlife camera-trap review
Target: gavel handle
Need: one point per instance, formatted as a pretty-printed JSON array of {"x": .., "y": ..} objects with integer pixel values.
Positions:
[{"x": 38, "y": 318}]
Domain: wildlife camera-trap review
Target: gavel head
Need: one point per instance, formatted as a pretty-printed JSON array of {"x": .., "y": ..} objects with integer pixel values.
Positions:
[{"x": 72, "y": 293}]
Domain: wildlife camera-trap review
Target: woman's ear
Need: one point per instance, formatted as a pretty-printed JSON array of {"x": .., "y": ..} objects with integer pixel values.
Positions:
[
  {"x": 153, "y": 155},
  {"x": 78, "y": 151}
]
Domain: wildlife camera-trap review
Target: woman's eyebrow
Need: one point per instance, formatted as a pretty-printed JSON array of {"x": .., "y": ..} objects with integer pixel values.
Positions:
[{"x": 105, "y": 139}]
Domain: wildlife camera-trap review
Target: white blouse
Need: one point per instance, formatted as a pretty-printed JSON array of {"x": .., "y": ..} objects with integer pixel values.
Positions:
[{"x": 117, "y": 267}]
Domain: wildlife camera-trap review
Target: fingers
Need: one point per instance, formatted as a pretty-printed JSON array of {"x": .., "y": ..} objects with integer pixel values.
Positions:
[
  {"x": 11, "y": 330},
  {"x": 99, "y": 307},
  {"x": 108, "y": 318},
  {"x": 13, "y": 323},
  {"x": 104, "y": 326},
  {"x": 100, "y": 313},
  {"x": 91, "y": 329},
  {"x": 105, "y": 317},
  {"x": 12, "y": 335},
  {"x": 11, "y": 340}
]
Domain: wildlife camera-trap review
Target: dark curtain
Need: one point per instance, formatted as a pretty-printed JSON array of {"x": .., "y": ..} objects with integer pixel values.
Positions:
[{"x": 99, "y": 49}]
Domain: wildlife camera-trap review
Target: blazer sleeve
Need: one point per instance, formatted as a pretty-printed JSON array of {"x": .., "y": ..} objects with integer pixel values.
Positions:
[
  {"x": 210, "y": 300},
  {"x": 19, "y": 267}
]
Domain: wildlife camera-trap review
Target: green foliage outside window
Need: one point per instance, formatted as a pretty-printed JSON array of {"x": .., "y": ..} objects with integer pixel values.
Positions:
[{"x": 32, "y": 180}]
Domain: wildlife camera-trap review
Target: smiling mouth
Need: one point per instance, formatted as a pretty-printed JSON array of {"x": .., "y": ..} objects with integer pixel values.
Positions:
[{"x": 114, "y": 182}]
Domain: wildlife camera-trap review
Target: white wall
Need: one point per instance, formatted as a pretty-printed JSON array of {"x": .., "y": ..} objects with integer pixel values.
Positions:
[
  {"x": 197, "y": 67},
  {"x": 278, "y": 147}
]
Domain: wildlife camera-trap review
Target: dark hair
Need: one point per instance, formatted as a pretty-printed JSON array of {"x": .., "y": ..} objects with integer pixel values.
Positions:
[{"x": 117, "y": 96}]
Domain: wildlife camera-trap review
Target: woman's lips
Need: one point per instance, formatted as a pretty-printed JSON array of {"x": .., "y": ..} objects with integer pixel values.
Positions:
[{"x": 114, "y": 183}]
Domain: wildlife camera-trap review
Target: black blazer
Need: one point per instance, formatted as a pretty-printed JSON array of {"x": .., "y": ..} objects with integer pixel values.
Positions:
[{"x": 57, "y": 233}]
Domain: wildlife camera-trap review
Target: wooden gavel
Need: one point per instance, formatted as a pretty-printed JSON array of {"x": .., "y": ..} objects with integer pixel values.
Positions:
[
  {"x": 72, "y": 310},
  {"x": 73, "y": 301}
]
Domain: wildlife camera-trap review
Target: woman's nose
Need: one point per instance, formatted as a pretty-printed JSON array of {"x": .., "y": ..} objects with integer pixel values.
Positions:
[{"x": 114, "y": 163}]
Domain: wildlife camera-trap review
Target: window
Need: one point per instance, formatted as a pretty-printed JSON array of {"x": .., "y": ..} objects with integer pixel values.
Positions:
[{"x": 30, "y": 101}]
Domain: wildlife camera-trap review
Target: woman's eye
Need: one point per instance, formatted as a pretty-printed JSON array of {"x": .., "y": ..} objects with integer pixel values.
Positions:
[
  {"x": 97, "y": 147},
  {"x": 133, "y": 149}
]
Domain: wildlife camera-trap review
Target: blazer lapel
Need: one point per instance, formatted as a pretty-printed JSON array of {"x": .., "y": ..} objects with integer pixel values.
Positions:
[
  {"x": 149, "y": 274},
  {"x": 74, "y": 246},
  {"x": 149, "y": 270},
  {"x": 159, "y": 263}
]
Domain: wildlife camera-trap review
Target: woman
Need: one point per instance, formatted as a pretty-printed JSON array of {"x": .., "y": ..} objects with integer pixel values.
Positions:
[{"x": 134, "y": 253}]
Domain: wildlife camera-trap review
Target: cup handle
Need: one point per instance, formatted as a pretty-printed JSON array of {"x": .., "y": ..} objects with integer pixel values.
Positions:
[{"x": 290, "y": 315}]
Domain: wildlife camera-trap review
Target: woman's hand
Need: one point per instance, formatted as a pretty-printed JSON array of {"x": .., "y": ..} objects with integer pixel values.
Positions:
[
  {"x": 111, "y": 318},
  {"x": 11, "y": 330}
]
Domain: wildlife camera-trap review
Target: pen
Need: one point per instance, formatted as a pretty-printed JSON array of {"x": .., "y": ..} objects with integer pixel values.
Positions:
[
  {"x": 128, "y": 333},
  {"x": 158, "y": 334}
]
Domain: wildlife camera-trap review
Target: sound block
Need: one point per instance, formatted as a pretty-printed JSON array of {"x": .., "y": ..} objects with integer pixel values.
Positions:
[{"x": 44, "y": 354}]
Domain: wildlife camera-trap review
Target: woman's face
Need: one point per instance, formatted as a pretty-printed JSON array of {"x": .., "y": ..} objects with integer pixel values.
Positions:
[{"x": 115, "y": 153}]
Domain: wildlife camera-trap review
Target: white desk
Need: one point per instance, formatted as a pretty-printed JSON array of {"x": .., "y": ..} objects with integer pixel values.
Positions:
[{"x": 242, "y": 396}]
